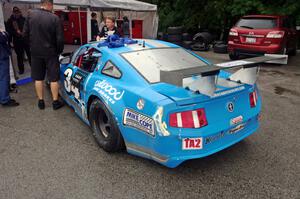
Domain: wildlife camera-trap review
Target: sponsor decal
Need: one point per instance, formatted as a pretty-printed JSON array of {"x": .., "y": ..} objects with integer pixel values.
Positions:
[
  {"x": 138, "y": 121},
  {"x": 229, "y": 91},
  {"x": 230, "y": 106},
  {"x": 192, "y": 143},
  {"x": 236, "y": 129},
  {"x": 72, "y": 86},
  {"x": 213, "y": 138},
  {"x": 109, "y": 92},
  {"x": 236, "y": 120}
]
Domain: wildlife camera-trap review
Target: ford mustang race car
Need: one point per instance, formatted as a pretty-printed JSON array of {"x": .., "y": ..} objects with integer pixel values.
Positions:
[{"x": 161, "y": 101}]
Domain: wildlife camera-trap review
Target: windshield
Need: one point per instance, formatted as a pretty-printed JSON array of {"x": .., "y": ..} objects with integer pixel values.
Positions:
[
  {"x": 257, "y": 23},
  {"x": 150, "y": 62}
]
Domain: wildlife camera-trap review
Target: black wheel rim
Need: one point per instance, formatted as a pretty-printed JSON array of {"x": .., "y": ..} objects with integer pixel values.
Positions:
[{"x": 103, "y": 122}]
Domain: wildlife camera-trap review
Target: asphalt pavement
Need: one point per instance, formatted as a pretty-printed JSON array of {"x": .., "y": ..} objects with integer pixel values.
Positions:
[{"x": 52, "y": 154}]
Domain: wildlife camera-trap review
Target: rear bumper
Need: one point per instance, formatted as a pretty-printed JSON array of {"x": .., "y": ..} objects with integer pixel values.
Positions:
[
  {"x": 168, "y": 150},
  {"x": 245, "y": 49}
]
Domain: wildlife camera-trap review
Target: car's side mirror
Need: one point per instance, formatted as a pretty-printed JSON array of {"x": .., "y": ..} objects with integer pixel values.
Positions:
[{"x": 65, "y": 58}]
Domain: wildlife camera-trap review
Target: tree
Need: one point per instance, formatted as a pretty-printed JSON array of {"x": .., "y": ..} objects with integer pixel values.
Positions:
[{"x": 218, "y": 15}]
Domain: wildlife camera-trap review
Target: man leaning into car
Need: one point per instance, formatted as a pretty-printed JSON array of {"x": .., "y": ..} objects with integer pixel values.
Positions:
[{"x": 46, "y": 37}]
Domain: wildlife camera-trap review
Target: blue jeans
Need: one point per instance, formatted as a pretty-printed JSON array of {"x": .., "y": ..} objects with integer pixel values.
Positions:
[{"x": 4, "y": 80}]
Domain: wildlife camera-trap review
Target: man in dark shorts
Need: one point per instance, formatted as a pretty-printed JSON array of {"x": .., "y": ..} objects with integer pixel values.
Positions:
[{"x": 46, "y": 37}]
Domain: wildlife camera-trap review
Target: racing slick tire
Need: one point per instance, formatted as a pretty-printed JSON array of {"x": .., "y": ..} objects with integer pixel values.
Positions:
[
  {"x": 218, "y": 42},
  {"x": 177, "y": 30},
  {"x": 187, "y": 44},
  {"x": 233, "y": 56},
  {"x": 205, "y": 37},
  {"x": 220, "y": 48},
  {"x": 104, "y": 127},
  {"x": 186, "y": 37},
  {"x": 200, "y": 46},
  {"x": 174, "y": 38}
]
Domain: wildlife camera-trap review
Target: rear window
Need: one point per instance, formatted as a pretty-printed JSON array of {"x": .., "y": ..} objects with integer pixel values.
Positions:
[
  {"x": 257, "y": 23},
  {"x": 150, "y": 62}
]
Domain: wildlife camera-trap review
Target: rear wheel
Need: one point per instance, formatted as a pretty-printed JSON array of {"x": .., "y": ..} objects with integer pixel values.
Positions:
[
  {"x": 293, "y": 52},
  {"x": 220, "y": 48},
  {"x": 104, "y": 127},
  {"x": 233, "y": 56}
]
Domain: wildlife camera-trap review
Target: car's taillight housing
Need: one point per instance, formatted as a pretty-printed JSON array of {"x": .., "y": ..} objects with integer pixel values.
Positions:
[
  {"x": 189, "y": 119},
  {"x": 233, "y": 32},
  {"x": 275, "y": 34},
  {"x": 253, "y": 99}
]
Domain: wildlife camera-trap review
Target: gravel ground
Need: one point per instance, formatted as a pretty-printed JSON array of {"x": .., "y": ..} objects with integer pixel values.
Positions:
[{"x": 52, "y": 154}]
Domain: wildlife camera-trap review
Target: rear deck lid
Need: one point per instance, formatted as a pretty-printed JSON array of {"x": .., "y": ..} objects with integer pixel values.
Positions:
[{"x": 184, "y": 97}]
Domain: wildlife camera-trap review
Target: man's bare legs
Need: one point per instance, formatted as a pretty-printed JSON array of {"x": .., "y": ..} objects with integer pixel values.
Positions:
[
  {"x": 39, "y": 87},
  {"x": 54, "y": 90}
]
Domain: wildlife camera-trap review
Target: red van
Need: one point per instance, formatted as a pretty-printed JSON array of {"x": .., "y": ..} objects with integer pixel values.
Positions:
[{"x": 261, "y": 34}]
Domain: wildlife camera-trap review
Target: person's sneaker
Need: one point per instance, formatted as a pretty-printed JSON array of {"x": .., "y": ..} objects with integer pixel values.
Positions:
[
  {"x": 11, "y": 103},
  {"x": 57, "y": 104},
  {"x": 41, "y": 104}
]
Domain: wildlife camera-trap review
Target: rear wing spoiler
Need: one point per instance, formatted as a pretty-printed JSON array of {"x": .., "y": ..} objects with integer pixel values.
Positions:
[{"x": 247, "y": 74}]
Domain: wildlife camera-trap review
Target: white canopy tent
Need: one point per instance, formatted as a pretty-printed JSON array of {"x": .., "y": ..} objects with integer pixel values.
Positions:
[
  {"x": 118, "y": 8},
  {"x": 131, "y": 8},
  {"x": 105, "y": 4}
]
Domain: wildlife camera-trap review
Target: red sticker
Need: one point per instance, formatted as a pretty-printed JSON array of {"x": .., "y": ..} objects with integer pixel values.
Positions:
[{"x": 192, "y": 144}]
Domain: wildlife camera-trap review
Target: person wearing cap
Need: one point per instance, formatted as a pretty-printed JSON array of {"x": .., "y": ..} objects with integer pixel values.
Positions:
[
  {"x": 46, "y": 38},
  {"x": 15, "y": 27},
  {"x": 5, "y": 52}
]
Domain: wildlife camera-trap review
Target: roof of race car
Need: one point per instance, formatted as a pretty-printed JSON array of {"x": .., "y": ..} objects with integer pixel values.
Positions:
[
  {"x": 151, "y": 57},
  {"x": 149, "y": 44}
]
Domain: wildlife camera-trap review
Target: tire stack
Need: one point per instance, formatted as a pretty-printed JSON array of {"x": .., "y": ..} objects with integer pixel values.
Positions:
[
  {"x": 202, "y": 41},
  {"x": 175, "y": 35},
  {"x": 220, "y": 47},
  {"x": 187, "y": 40}
]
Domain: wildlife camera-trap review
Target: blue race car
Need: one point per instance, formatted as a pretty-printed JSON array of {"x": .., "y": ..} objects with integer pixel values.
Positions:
[{"x": 161, "y": 101}]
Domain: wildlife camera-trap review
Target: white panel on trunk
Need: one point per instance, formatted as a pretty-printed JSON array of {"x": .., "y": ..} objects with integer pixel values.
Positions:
[{"x": 150, "y": 62}]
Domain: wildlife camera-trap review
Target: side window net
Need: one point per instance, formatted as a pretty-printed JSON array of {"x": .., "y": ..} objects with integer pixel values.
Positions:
[
  {"x": 111, "y": 70},
  {"x": 87, "y": 59}
]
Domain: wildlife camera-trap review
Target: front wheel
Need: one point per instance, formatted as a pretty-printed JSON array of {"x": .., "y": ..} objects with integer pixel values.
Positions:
[{"x": 104, "y": 127}]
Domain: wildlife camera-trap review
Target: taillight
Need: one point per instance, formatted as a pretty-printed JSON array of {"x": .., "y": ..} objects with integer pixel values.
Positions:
[
  {"x": 189, "y": 119},
  {"x": 253, "y": 99},
  {"x": 233, "y": 32},
  {"x": 275, "y": 34}
]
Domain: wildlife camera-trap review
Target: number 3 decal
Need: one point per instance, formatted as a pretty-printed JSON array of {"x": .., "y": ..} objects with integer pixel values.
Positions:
[{"x": 68, "y": 84}]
